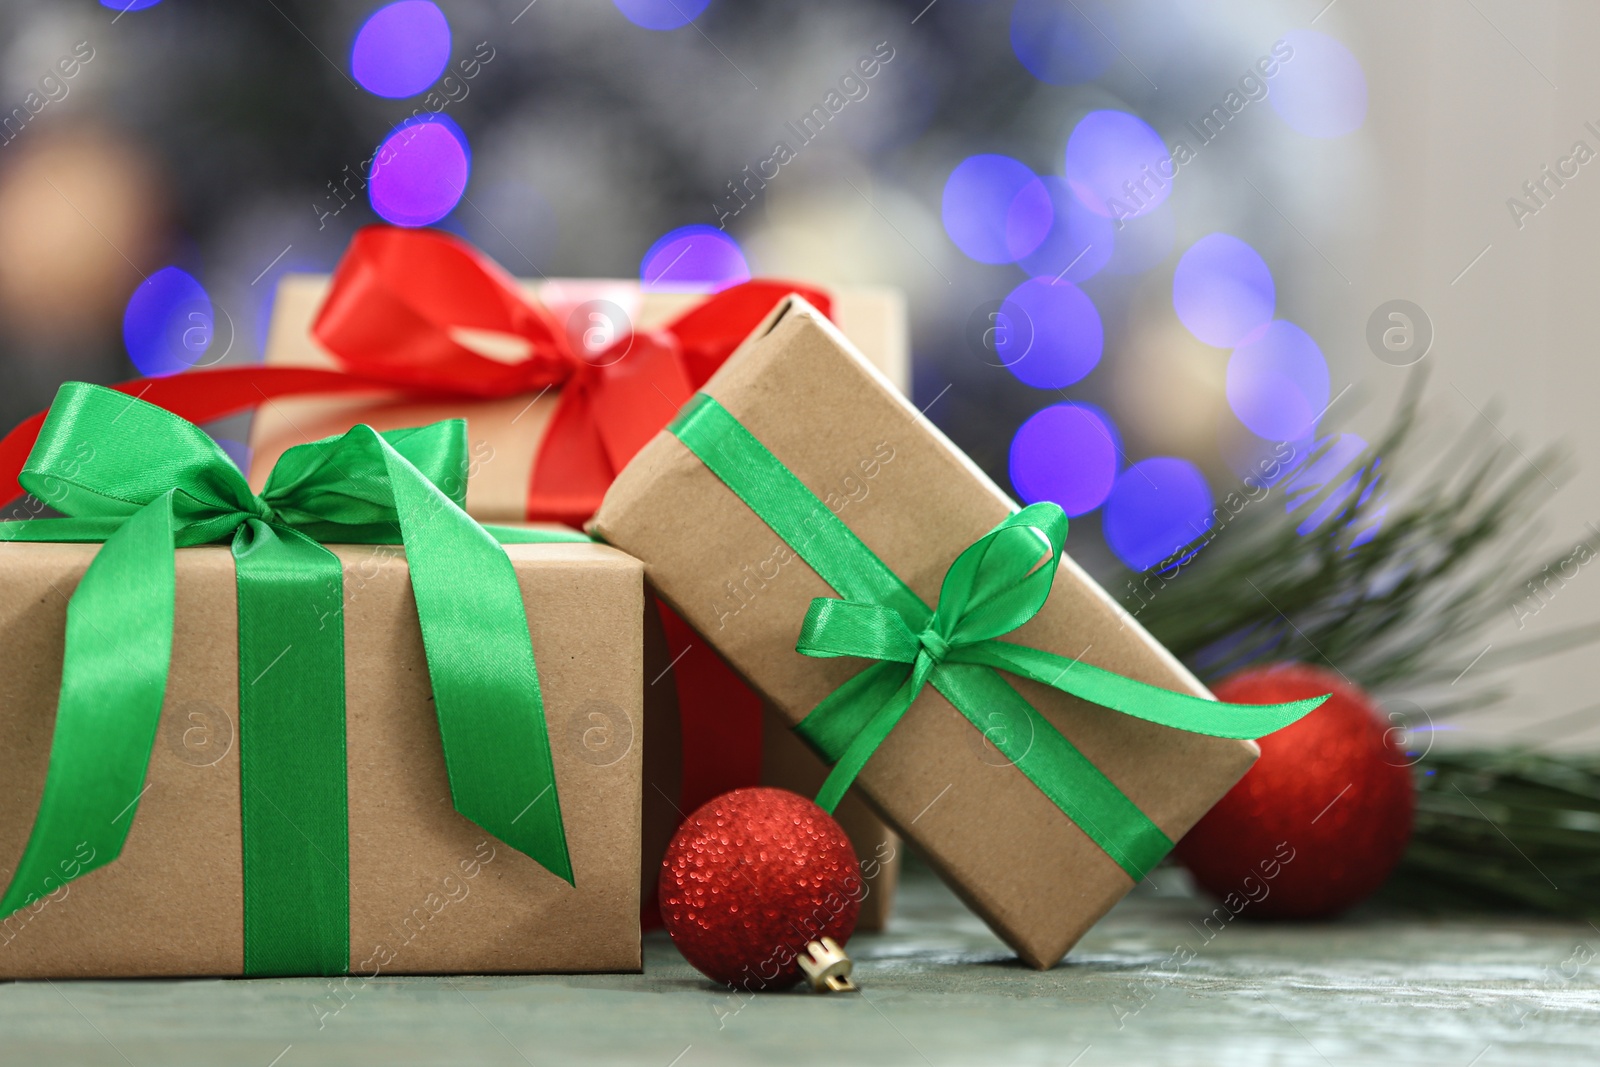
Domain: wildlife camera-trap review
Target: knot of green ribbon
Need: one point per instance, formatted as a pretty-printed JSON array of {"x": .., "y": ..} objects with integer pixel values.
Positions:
[
  {"x": 144, "y": 482},
  {"x": 994, "y": 586}
]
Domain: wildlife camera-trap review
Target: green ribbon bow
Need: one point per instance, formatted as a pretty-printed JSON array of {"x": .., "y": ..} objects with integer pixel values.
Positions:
[
  {"x": 145, "y": 482},
  {"x": 992, "y": 588}
]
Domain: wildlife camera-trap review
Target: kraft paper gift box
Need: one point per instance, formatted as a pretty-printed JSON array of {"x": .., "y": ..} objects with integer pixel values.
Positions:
[
  {"x": 917, "y": 502},
  {"x": 429, "y": 891},
  {"x": 505, "y": 435}
]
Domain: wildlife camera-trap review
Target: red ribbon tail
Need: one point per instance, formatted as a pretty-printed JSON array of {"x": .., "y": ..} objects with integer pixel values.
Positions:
[
  {"x": 570, "y": 469},
  {"x": 720, "y": 718}
]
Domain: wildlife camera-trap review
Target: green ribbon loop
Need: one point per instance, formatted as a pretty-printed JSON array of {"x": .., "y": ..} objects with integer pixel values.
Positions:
[
  {"x": 995, "y": 586},
  {"x": 145, "y": 482}
]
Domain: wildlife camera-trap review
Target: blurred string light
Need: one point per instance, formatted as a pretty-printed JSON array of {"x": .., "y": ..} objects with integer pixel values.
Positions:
[
  {"x": 1322, "y": 90},
  {"x": 168, "y": 324},
  {"x": 694, "y": 257},
  {"x": 661, "y": 14},
  {"x": 1278, "y": 382},
  {"x": 1079, "y": 243},
  {"x": 1109, "y": 213},
  {"x": 996, "y": 209},
  {"x": 1117, "y": 165},
  {"x": 1304, "y": 481},
  {"x": 64, "y": 278},
  {"x": 1064, "y": 42},
  {"x": 420, "y": 171},
  {"x": 401, "y": 49},
  {"x": 1222, "y": 290},
  {"x": 1064, "y": 340},
  {"x": 1156, "y": 507},
  {"x": 1067, "y": 454}
]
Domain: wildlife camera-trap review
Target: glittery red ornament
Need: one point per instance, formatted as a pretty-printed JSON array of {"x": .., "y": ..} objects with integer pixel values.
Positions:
[
  {"x": 750, "y": 878},
  {"x": 1320, "y": 820}
]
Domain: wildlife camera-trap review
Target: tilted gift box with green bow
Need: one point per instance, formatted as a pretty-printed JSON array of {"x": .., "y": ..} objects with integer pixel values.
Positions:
[
  {"x": 926, "y": 637},
  {"x": 280, "y": 757}
]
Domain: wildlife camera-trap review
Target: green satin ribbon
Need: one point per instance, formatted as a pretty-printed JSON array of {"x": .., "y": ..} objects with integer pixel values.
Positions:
[
  {"x": 145, "y": 482},
  {"x": 993, "y": 587}
]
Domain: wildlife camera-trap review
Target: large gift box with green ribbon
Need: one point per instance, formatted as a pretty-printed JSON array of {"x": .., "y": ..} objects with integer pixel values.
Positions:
[
  {"x": 333, "y": 728},
  {"x": 926, "y": 637}
]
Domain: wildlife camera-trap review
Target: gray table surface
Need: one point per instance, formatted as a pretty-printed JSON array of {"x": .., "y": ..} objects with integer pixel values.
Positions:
[{"x": 938, "y": 988}]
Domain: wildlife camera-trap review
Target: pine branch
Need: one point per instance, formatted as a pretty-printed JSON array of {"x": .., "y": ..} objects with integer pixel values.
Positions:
[
  {"x": 1503, "y": 831},
  {"x": 1389, "y": 592},
  {"x": 1394, "y": 590}
]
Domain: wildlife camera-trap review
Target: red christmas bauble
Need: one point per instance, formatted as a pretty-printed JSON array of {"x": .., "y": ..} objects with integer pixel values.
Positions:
[
  {"x": 1320, "y": 820},
  {"x": 750, "y": 878}
]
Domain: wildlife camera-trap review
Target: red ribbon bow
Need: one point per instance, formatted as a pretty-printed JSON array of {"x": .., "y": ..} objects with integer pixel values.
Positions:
[{"x": 400, "y": 303}]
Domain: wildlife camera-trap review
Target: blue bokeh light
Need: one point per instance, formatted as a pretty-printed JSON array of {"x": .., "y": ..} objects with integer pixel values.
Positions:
[
  {"x": 1079, "y": 243},
  {"x": 694, "y": 257},
  {"x": 168, "y": 323},
  {"x": 1117, "y": 165},
  {"x": 1063, "y": 42},
  {"x": 1064, "y": 338},
  {"x": 1222, "y": 290},
  {"x": 1066, "y": 453},
  {"x": 1321, "y": 90},
  {"x": 128, "y": 5},
  {"x": 1278, "y": 383},
  {"x": 1156, "y": 508},
  {"x": 1142, "y": 243},
  {"x": 995, "y": 209},
  {"x": 420, "y": 171},
  {"x": 401, "y": 48},
  {"x": 1339, "y": 459},
  {"x": 1307, "y": 476},
  {"x": 661, "y": 14}
]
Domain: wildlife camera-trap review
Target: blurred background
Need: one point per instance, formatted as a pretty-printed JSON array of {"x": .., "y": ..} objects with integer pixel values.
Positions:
[{"x": 1148, "y": 246}]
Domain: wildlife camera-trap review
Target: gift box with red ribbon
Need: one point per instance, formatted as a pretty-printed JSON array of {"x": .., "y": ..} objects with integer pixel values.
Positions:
[{"x": 561, "y": 382}]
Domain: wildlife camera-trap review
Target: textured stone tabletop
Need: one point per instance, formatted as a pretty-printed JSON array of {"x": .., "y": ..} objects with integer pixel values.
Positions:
[{"x": 938, "y": 989}]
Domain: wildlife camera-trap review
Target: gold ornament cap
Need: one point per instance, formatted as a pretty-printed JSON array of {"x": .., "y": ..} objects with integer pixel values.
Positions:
[{"x": 827, "y": 967}]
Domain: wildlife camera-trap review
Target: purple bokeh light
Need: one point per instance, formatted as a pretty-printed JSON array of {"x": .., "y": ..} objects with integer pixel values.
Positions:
[
  {"x": 995, "y": 209},
  {"x": 401, "y": 48},
  {"x": 168, "y": 323},
  {"x": 420, "y": 171},
  {"x": 1321, "y": 90},
  {"x": 1117, "y": 165},
  {"x": 693, "y": 257},
  {"x": 661, "y": 14},
  {"x": 1156, "y": 508},
  {"x": 1223, "y": 291},
  {"x": 1339, "y": 459},
  {"x": 1278, "y": 383},
  {"x": 1064, "y": 42},
  {"x": 1079, "y": 243},
  {"x": 128, "y": 5},
  {"x": 1066, "y": 453},
  {"x": 1064, "y": 338}
]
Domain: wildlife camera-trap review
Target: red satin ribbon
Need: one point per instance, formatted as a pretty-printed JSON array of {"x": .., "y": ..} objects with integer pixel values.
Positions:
[{"x": 393, "y": 317}]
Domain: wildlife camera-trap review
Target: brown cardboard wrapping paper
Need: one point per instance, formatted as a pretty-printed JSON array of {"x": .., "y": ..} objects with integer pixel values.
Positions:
[
  {"x": 431, "y": 888},
  {"x": 917, "y": 502},
  {"x": 504, "y": 434}
]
